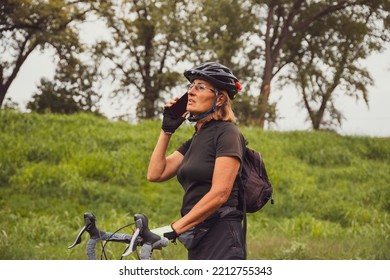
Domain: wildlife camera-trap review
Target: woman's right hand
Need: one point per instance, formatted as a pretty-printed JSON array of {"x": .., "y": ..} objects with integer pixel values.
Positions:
[{"x": 169, "y": 123}]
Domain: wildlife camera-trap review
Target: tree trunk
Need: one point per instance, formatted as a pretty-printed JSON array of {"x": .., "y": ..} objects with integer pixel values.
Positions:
[
  {"x": 316, "y": 120},
  {"x": 276, "y": 36},
  {"x": 265, "y": 89},
  {"x": 3, "y": 91},
  {"x": 24, "y": 52},
  {"x": 263, "y": 103}
]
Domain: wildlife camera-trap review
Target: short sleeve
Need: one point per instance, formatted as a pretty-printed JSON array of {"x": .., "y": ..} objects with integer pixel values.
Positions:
[
  {"x": 230, "y": 142},
  {"x": 184, "y": 147}
]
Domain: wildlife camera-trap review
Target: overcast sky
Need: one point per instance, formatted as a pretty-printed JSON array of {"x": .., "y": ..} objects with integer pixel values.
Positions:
[{"x": 360, "y": 120}]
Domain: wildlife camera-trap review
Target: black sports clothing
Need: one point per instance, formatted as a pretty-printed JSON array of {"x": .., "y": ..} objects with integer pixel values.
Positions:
[
  {"x": 224, "y": 238},
  {"x": 215, "y": 139},
  {"x": 224, "y": 241}
]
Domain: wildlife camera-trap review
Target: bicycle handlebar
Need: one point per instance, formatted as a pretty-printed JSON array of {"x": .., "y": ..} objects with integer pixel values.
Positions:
[{"x": 142, "y": 237}]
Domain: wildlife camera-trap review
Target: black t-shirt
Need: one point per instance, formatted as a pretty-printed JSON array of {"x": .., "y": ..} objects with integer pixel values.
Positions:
[{"x": 215, "y": 139}]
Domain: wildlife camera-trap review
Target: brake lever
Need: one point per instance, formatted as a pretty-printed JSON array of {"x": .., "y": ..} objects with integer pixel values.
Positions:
[
  {"x": 89, "y": 226},
  {"x": 140, "y": 223},
  {"x": 132, "y": 244}
]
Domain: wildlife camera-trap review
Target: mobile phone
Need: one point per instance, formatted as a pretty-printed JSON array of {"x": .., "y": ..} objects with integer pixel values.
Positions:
[{"x": 180, "y": 107}]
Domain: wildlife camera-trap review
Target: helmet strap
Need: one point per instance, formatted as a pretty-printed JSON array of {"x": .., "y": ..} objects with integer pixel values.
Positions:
[{"x": 193, "y": 118}]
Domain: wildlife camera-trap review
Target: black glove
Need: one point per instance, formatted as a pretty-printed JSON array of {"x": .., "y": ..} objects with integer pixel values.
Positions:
[
  {"x": 170, "y": 124},
  {"x": 172, "y": 235}
]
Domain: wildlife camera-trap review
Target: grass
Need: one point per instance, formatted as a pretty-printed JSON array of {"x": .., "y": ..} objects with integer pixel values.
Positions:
[{"x": 332, "y": 192}]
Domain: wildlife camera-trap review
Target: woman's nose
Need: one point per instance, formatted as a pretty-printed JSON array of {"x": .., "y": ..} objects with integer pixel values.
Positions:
[{"x": 191, "y": 91}]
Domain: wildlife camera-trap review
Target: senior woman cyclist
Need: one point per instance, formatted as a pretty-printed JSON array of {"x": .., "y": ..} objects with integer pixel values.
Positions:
[{"x": 206, "y": 166}]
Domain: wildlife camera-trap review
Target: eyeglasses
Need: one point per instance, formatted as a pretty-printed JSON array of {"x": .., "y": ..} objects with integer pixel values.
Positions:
[{"x": 199, "y": 87}]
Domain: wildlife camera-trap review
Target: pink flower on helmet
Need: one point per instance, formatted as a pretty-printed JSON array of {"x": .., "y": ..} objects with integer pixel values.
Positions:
[{"x": 238, "y": 85}]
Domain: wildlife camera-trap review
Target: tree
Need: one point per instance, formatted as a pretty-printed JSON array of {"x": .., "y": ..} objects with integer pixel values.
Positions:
[
  {"x": 71, "y": 91},
  {"x": 222, "y": 31},
  {"x": 145, "y": 50},
  {"x": 26, "y": 26},
  {"x": 246, "y": 109},
  {"x": 152, "y": 38},
  {"x": 52, "y": 100},
  {"x": 286, "y": 23},
  {"x": 330, "y": 64}
]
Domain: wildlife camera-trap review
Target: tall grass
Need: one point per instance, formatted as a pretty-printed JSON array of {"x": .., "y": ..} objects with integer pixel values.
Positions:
[{"x": 332, "y": 192}]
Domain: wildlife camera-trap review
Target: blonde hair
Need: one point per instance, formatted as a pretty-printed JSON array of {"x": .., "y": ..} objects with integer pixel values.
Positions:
[{"x": 225, "y": 111}]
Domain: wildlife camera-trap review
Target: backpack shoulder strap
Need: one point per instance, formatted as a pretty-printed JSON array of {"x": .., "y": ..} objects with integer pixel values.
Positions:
[
  {"x": 241, "y": 197},
  {"x": 239, "y": 182}
]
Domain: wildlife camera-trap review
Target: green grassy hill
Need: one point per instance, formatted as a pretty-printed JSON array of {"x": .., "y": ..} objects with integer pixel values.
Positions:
[{"x": 332, "y": 192}]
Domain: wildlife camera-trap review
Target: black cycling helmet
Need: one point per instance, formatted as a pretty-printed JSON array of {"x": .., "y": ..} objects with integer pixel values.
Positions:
[{"x": 218, "y": 75}]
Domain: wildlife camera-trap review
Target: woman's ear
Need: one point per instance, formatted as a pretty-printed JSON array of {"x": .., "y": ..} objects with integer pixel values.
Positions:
[{"x": 221, "y": 99}]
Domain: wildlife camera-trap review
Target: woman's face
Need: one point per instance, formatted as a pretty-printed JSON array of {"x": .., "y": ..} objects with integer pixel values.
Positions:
[{"x": 201, "y": 97}]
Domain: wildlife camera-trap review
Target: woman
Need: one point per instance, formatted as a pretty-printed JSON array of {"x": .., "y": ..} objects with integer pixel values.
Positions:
[{"x": 206, "y": 166}]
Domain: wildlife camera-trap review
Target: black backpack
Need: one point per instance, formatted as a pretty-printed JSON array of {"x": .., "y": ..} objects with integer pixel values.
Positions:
[{"x": 255, "y": 189}]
